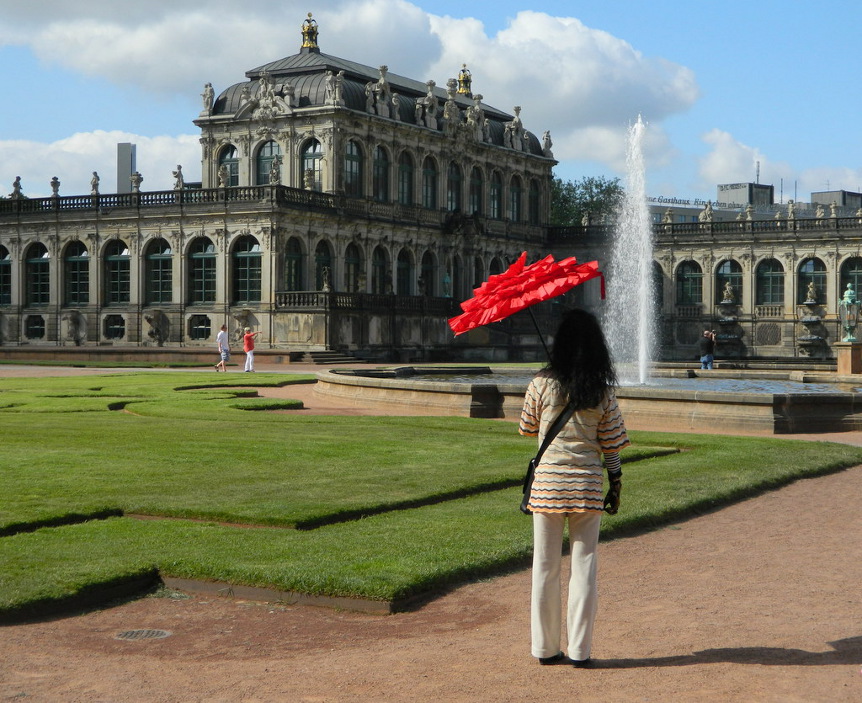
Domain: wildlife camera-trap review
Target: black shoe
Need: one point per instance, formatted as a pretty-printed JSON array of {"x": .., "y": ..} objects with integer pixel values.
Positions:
[
  {"x": 558, "y": 658},
  {"x": 582, "y": 663}
]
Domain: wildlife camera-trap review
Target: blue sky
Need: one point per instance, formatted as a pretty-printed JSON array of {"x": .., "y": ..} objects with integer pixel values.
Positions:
[{"x": 725, "y": 88}]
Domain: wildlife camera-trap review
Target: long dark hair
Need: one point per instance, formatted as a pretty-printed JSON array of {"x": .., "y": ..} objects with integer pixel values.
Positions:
[{"x": 580, "y": 359}]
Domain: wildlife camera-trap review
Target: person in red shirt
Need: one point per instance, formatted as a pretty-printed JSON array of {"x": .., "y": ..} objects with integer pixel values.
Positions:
[{"x": 248, "y": 348}]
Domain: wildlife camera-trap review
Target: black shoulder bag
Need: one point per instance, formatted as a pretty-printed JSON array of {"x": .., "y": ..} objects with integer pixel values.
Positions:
[{"x": 553, "y": 431}]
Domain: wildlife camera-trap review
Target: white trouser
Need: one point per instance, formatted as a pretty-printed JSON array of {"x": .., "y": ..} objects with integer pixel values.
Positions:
[
  {"x": 546, "y": 604},
  {"x": 249, "y": 361}
]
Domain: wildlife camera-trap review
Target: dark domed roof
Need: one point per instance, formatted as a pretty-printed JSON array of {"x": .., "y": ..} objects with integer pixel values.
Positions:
[{"x": 306, "y": 71}]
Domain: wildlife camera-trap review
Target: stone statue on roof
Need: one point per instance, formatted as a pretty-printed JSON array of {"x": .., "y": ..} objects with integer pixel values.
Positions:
[
  {"x": 547, "y": 144},
  {"x": 208, "y": 96},
  {"x": 382, "y": 93},
  {"x": 431, "y": 104}
]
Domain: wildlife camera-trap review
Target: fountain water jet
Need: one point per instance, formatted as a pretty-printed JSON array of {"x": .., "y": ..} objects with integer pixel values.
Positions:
[{"x": 629, "y": 318}]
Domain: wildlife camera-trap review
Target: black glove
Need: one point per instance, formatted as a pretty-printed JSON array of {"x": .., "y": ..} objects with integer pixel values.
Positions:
[{"x": 612, "y": 499}]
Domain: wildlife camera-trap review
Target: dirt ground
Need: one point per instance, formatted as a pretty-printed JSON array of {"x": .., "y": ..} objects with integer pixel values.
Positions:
[{"x": 759, "y": 601}]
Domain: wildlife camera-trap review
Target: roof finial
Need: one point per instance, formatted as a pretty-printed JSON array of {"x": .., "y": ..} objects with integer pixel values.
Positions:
[
  {"x": 309, "y": 33},
  {"x": 465, "y": 79}
]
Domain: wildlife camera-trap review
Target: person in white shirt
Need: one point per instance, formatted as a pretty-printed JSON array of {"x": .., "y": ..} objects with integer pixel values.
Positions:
[{"x": 223, "y": 349}]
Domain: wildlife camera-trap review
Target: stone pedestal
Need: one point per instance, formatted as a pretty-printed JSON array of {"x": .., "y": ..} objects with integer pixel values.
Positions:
[{"x": 849, "y": 357}]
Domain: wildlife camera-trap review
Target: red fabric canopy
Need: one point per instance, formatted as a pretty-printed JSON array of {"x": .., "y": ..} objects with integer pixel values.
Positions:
[{"x": 520, "y": 286}]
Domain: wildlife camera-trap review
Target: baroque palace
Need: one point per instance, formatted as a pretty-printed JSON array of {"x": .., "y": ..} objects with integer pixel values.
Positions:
[
  {"x": 341, "y": 207},
  {"x": 344, "y": 207}
]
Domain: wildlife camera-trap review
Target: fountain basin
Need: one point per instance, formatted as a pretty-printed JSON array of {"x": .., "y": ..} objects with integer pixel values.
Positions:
[{"x": 644, "y": 407}]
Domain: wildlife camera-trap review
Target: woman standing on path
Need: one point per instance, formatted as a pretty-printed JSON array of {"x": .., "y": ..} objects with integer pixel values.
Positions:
[
  {"x": 567, "y": 488},
  {"x": 248, "y": 348}
]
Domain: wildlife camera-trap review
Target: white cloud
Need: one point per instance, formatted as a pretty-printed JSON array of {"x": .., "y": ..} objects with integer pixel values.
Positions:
[
  {"x": 731, "y": 161},
  {"x": 74, "y": 159},
  {"x": 584, "y": 85}
]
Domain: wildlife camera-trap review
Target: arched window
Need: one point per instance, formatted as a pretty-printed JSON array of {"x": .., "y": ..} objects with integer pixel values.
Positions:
[
  {"x": 229, "y": 158},
  {"x": 495, "y": 204},
  {"x": 458, "y": 278},
  {"x": 516, "y": 191},
  {"x": 811, "y": 281},
  {"x": 246, "y": 264},
  {"x": 429, "y": 274},
  {"x": 478, "y": 271},
  {"x": 429, "y": 183},
  {"x": 5, "y": 277},
  {"x": 322, "y": 265},
  {"x": 37, "y": 276},
  {"x": 533, "y": 204},
  {"x": 379, "y": 271},
  {"x": 381, "y": 175},
  {"x": 76, "y": 275},
  {"x": 728, "y": 280},
  {"x": 353, "y": 170},
  {"x": 352, "y": 269},
  {"x": 263, "y": 164},
  {"x": 689, "y": 283},
  {"x": 158, "y": 272},
  {"x": 769, "y": 283},
  {"x": 294, "y": 265},
  {"x": 851, "y": 272},
  {"x": 453, "y": 188},
  {"x": 495, "y": 267},
  {"x": 312, "y": 158},
  {"x": 202, "y": 271},
  {"x": 405, "y": 179},
  {"x": 117, "y": 273},
  {"x": 657, "y": 286},
  {"x": 404, "y": 273},
  {"x": 477, "y": 186}
]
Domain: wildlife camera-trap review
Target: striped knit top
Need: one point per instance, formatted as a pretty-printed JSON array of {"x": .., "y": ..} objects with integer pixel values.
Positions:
[{"x": 568, "y": 478}]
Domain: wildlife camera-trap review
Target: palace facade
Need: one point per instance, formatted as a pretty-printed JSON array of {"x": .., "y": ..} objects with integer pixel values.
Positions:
[
  {"x": 344, "y": 207},
  {"x": 341, "y": 207}
]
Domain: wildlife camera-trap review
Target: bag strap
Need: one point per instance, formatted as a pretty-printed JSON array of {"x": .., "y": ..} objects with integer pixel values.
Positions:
[{"x": 555, "y": 428}]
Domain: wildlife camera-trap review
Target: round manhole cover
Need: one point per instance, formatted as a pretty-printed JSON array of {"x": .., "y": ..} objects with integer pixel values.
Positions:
[{"x": 142, "y": 635}]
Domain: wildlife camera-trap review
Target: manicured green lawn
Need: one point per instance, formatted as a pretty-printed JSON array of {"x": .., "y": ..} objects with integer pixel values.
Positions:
[{"x": 386, "y": 507}]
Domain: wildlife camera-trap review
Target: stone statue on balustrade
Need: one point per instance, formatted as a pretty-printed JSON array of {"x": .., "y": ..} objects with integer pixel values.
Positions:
[
  {"x": 382, "y": 93},
  {"x": 208, "y": 97},
  {"x": 179, "y": 181},
  {"x": 222, "y": 176},
  {"x": 275, "y": 171},
  {"x": 706, "y": 215},
  {"x": 94, "y": 184},
  {"x": 16, "y": 193},
  {"x": 547, "y": 144}
]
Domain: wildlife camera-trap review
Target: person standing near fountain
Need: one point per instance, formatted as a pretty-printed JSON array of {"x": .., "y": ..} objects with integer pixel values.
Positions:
[
  {"x": 567, "y": 486},
  {"x": 706, "y": 344}
]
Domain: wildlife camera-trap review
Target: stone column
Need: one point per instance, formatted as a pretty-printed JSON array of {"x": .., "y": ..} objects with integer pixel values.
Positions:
[{"x": 849, "y": 357}]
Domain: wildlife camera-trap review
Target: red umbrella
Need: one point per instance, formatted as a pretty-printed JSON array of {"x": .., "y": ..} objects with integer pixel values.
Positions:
[{"x": 521, "y": 286}]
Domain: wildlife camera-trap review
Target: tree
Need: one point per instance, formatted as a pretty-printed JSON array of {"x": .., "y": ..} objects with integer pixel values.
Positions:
[{"x": 595, "y": 196}]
